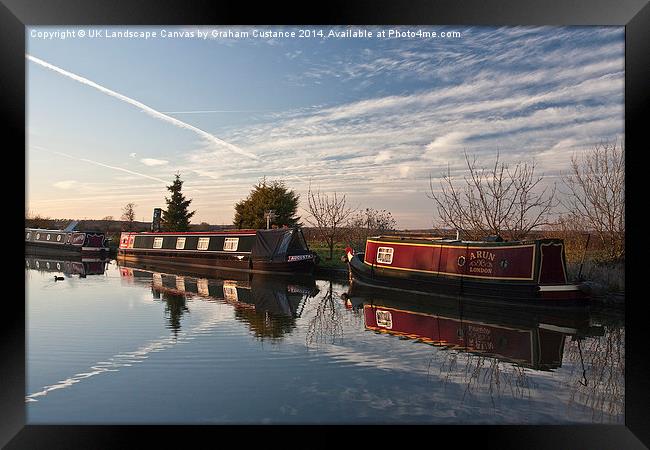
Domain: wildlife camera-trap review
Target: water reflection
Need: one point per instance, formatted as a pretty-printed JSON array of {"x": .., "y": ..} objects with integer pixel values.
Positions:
[
  {"x": 69, "y": 265},
  {"x": 326, "y": 324},
  {"x": 268, "y": 305},
  {"x": 496, "y": 350},
  {"x": 391, "y": 357}
]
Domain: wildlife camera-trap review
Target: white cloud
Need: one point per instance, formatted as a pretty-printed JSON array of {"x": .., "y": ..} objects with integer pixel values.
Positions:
[
  {"x": 153, "y": 162},
  {"x": 66, "y": 184},
  {"x": 382, "y": 157},
  {"x": 446, "y": 142}
]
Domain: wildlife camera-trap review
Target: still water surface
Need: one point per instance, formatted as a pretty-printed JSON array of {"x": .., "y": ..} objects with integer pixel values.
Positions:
[{"x": 111, "y": 344}]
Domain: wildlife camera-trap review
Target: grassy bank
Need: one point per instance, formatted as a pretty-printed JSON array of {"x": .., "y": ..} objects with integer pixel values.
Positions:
[
  {"x": 324, "y": 253},
  {"x": 607, "y": 278}
]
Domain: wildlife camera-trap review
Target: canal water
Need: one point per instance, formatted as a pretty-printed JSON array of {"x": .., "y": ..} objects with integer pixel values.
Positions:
[{"x": 115, "y": 344}]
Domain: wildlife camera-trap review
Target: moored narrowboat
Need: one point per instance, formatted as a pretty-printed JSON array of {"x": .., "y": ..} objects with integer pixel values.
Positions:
[
  {"x": 68, "y": 240},
  {"x": 518, "y": 270},
  {"x": 68, "y": 264},
  {"x": 529, "y": 339},
  {"x": 282, "y": 250}
]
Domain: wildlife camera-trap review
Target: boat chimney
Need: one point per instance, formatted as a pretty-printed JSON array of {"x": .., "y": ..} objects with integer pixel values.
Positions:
[{"x": 155, "y": 223}]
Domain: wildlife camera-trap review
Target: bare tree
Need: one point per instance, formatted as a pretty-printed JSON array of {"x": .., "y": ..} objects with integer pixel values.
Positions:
[
  {"x": 128, "y": 215},
  {"x": 596, "y": 199},
  {"x": 369, "y": 221},
  {"x": 327, "y": 324},
  {"x": 35, "y": 220},
  {"x": 501, "y": 200},
  {"x": 328, "y": 214}
]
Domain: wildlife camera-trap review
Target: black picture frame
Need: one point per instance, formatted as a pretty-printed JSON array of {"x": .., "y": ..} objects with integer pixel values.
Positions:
[{"x": 15, "y": 15}]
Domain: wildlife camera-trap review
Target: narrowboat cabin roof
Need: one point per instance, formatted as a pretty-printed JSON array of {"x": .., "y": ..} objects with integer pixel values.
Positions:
[
  {"x": 444, "y": 240},
  {"x": 52, "y": 230},
  {"x": 176, "y": 233}
]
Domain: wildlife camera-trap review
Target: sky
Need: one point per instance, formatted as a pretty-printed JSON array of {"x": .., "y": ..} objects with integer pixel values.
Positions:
[{"x": 111, "y": 117}]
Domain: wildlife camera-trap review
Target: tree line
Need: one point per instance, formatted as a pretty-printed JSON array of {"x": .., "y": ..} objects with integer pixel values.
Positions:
[{"x": 496, "y": 199}]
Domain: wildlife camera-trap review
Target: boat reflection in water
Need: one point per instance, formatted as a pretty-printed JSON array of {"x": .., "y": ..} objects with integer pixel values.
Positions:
[
  {"x": 67, "y": 264},
  {"x": 532, "y": 338},
  {"x": 269, "y": 305}
]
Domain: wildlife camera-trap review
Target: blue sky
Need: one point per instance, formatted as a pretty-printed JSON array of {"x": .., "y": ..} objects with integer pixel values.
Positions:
[{"x": 110, "y": 121}]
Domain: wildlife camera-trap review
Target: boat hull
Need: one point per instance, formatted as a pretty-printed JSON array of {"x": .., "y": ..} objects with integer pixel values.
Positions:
[
  {"x": 217, "y": 262},
  {"x": 425, "y": 283},
  {"x": 68, "y": 249}
]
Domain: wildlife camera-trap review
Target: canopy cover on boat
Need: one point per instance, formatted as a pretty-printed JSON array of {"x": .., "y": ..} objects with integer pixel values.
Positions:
[{"x": 272, "y": 245}]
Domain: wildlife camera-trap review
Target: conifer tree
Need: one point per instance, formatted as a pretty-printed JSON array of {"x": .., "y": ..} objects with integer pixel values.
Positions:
[
  {"x": 268, "y": 196},
  {"x": 176, "y": 217}
]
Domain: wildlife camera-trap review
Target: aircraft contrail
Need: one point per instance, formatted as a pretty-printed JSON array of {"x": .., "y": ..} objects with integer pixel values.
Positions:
[
  {"x": 147, "y": 109},
  {"x": 210, "y": 111},
  {"x": 100, "y": 164}
]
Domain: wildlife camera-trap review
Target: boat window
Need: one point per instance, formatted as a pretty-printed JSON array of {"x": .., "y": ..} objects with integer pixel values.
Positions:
[
  {"x": 48, "y": 237},
  {"x": 38, "y": 235},
  {"x": 385, "y": 255},
  {"x": 29, "y": 235},
  {"x": 58, "y": 238},
  {"x": 157, "y": 242},
  {"x": 180, "y": 243},
  {"x": 203, "y": 243},
  {"x": 230, "y": 244}
]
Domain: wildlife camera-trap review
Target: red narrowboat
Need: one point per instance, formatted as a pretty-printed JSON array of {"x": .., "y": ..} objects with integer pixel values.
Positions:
[
  {"x": 521, "y": 270},
  {"x": 534, "y": 341},
  {"x": 278, "y": 251}
]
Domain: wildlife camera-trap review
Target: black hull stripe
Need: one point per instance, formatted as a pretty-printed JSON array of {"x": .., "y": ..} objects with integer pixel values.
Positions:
[
  {"x": 284, "y": 268},
  {"x": 363, "y": 274}
]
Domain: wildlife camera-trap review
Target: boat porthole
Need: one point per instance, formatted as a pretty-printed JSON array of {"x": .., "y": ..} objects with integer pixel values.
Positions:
[
  {"x": 58, "y": 238},
  {"x": 29, "y": 235},
  {"x": 58, "y": 266},
  {"x": 47, "y": 264},
  {"x": 48, "y": 237},
  {"x": 38, "y": 235},
  {"x": 504, "y": 263},
  {"x": 461, "y": 261}
]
